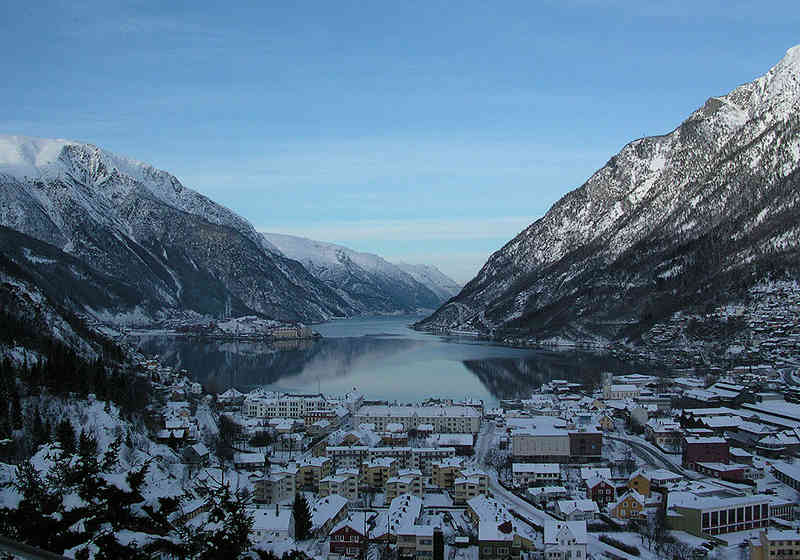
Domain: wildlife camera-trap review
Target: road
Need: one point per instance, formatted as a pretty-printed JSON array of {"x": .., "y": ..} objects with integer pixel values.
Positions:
[
  {"x": 652, "y": 455},
  {"x": 537, "y": 516}
]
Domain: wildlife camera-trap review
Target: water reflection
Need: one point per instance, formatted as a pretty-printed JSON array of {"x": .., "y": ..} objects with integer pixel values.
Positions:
[{"x": 383, "y": 359}]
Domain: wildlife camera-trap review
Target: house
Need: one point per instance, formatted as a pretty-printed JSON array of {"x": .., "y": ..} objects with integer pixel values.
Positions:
[
  {"x": 249, "y": 461},
  {"x": 546, "y": 494},
  {"x": 272, "y": 525},
  {"x": 326, "y": 513},
  {"x": 640, "y": 482},
  {"x": 535, "y": 474},
  {"x": 565, "y": 540},
  {"x": 196, "y": 455},
  {"x": 666, "y": 434},
  {"x": 629, "y": 506},
  {"x": 276, "y": 486},
  {"x": 600, "y": 490},
  {"x": 420, "y": 541},
  {"x": 348, "y": 538},
  {"x": 577, "y": 510}
]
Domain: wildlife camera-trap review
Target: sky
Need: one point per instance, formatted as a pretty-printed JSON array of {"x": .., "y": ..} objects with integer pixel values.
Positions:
[{"x": 425, "y": 132}]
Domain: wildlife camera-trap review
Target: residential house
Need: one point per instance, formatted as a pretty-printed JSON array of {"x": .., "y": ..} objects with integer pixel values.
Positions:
[
  {"x": 565, "y": 540},
  {"x": 628, "y": 506}
]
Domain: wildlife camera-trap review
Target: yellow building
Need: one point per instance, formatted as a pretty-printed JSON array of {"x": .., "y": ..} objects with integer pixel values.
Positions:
[
  {"x": 445, "y": 472},
  {"x": 629, "y": 506},
  {"x": 311, "y": 471},
  {"x": 375, "y": 473},
  {"x": 641, "y": 483},
  {"x": 772, "y": 544}
]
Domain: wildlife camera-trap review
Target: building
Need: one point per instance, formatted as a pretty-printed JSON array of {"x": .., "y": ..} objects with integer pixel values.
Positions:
[
  {"x": 272, "y": 525},
  {"x": 535, "y": 474},
  {"x": 640, "y": 482},
  {"x": 462, "y": 443},
  {"x": 774, "y": 543},
  {"x": 444, "y": 472},
  {"x": 311, "y": 470},
  {"x": 326, "y": 513},
  {"x": 585, "y": 445},
  {"x": 705, "y": 450},
  {"x": 375, "y": 473},
  {"x": 420, "y": 542},
  {"x": 471, "y": 482},
  {"x": 348, "y": 538},
  {"x": 713, "y": 515},
  {"x": 565, "y": 540},
  {"x": 628, "y": 506},
  {"x": 344, "y": 483},
  {"x": 620, "y": 392},
  {"x": 547, "y": 494},
  {"x": 279, "y": 485},
  {"x": 498, "y": 537},
  {"x": 407, "y": 481},
  {"x": 577, "y": 510},
  {"x": 600, "y": 490},
  {"x": 787, "y": 473},
  {"x": 444, "y": 419},
  {"x": 666, "y": 434},
  {"x": 547, "y": 444}
]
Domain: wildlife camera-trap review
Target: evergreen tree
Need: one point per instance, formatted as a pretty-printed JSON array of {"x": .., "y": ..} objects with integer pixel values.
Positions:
[
  {"x": 302, "y": 517},
  {"x": 65, "y": 435},
  {"x": 111, "y": 456}
]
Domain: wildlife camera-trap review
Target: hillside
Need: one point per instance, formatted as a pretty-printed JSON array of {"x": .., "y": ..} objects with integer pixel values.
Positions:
[{"x": 674, "y": 228}]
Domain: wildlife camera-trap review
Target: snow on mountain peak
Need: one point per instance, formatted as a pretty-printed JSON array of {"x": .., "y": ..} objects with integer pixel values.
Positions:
[{"x": 24, "y": 156}]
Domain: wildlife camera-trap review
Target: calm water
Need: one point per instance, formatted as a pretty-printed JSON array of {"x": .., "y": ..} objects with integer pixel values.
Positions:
[{"x": 383, "y": 359}]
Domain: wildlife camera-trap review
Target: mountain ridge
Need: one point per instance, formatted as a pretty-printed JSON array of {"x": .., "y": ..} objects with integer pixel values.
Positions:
[
  {"x": 366, "y": 281},
  {"x": 659, "y": 212},
  {"x": 132, "y": 221}
]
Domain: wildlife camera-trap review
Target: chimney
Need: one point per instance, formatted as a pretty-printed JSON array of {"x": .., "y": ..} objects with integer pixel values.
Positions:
[{"x": 276, "y": 510}]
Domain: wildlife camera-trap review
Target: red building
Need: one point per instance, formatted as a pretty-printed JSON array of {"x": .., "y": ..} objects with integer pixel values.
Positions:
[
  {"x": 346, "y": 540},
  {"x": 705, "y": 450},
  {"x": 600, "y": 490},
  {"x": 731, "y": 473}
]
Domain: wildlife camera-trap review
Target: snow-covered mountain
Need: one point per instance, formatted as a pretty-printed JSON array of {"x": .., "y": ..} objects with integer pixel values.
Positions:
[
  {"x": 367, "y": 282},
  {"x": 175, "y": 249},
  {"x": 685, "y": 222},
  {"x": 430, "y": 276}
]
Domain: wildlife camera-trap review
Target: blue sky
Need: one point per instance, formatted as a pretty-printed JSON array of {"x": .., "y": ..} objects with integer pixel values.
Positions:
[{"x": 421, "y": 131}]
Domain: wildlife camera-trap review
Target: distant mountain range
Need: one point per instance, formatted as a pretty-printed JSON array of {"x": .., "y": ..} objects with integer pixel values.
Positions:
[
  {"x": 365, "y": 281},
  {"x": 122, "y": 242},
  {"x": 676, "y": 229}
]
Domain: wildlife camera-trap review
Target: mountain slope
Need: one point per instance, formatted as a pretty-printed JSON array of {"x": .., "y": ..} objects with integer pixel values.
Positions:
[
  {"x": 365, "y": 281},
  {"x": 697, "y": 218},
  {"x": 140, "y": 225},
  {"x": 430, "y": 276}
]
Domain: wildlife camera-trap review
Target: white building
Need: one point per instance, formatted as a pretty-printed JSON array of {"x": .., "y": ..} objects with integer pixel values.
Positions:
[
  {"x": 444, "y": 419},
  {"x": 272, "y": 525},
  {"x": 535, "y": 474},
  {"x": 565, "y": 540}
]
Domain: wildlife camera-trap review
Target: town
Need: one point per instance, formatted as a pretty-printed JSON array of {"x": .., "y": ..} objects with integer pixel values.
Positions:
[{"x": 643, "y": 467}]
